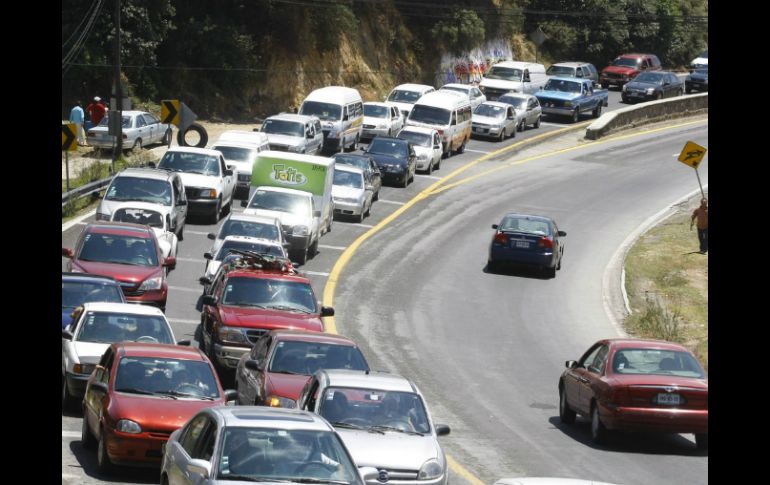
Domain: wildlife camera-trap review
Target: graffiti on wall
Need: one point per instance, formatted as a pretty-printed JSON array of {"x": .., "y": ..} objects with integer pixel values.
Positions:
[{"x": 471, "y": 66}]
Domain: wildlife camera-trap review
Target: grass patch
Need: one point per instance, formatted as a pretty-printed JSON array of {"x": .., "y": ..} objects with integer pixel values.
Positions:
[{"x": 667, "y": 285}]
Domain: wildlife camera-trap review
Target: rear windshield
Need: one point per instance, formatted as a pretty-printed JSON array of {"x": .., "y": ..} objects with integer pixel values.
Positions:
[
  {"x": 297, "y": 357},
  {"x": 293, "y": 296},
  {"x": 249, "y": 229},
  {"x": 560, "y": 71},
  {"x": 250, "y": 246},
  {"x": 199, "y": 163},
  {"x": 526, "y": 226},
  {"x": 650, "y": 77},
  {"x": 390, "y": 148},
  {"x": 656, "y": 362},
  {"x": 429, "y": 115},
  {"x": 352, "y": 160},
  {"x": 139, "y": 216},
  {"x": 490, "y": 111},
  {"x": 348, "y": 179},
  {"x": 280, "y": 201},
  {"x": 563, "y": 86},
  {"x": 626, "y": 61},
  {"x": 186, "y": 379}
]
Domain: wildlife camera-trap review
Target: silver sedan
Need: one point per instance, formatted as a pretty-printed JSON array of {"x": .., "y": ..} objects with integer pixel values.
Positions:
[
  {"x": 528, "y": 109},
  {"x": 139, "y": 129},
  {"x": 494, "y": 120}
]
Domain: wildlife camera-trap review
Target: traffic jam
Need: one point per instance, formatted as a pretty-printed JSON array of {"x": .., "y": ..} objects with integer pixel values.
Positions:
[{"x": 254, "y": 385}]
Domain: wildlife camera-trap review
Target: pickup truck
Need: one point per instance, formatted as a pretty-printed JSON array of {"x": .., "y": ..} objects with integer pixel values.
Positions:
[{"x": 570, "y": 97}]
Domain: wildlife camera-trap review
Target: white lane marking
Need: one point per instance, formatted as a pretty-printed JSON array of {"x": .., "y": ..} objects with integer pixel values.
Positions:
[
  {"x": 432, "y": 177},
  {"x": 183, "y": 320},
  {"x": 189, "y": 290},
  {"x": 191, "y": 260},
  {"x": 339, "y": 248},
  {"x": 545, "y": 123},
  {"x": 76, "y": 220},
  {"x": 476, "y": 151},
  {"x": 70, "y": 434},
  {"x": 368, "y": 226},
  {"x": 390, "y": 202},
  {"x": 199, "y": 233},
  {"x": 314, "y": 273}
]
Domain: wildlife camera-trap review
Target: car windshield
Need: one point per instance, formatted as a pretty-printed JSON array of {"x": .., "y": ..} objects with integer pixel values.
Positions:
[
  {"x": 348, "y": 179},
  {"x": 650, "y": 78},
  {"x": 236, "y": 154},
  {"x": 263, "y": 454},
  {"x": 298, "y": 357},
  {"x": 283, "y": 127},
  {"x": 490, "y": 111},
  {"x": 376, "y": 111},
  {"x": 513, "y": 101},
  {"x": 183, "y": 379},
  {"x": 526, "y": 225},
  {"x": 125, "y": 121},
  {"x": 401, "y": 96},
  {"x": 118, "y": 249},
  {"x": 504, "y": 73},
  {"x": 560, "y": 71},
  {"x": 626, "y": 62},
  {"x": 270, "y": 293},
  {"x": 369, "y": 408},
  {"x": 419, "y": 139},
  {"x": 137, "y": 189},
  {"x": 75, "y": 293},
  {"x": 429, "y": 115},
  {"x": 391, "y": 148},
  {"x": 262, "y": 230},
  {"x": 562, "y": 85},
  {"x": 324, "y": 111},
  {"x": 186, "y": 162},
  {"x": 250, "y": 246},
  {"x": 656, "y": 362},
  {"x": 281, "y": 201},
  {"x": 352, "y": 160},
  {"x": 109, "y": 327},
  {"x": 145, "y": 217}
]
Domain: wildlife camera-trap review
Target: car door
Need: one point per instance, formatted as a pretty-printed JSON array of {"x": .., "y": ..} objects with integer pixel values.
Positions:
[
  {"x": 510, "y": 120},
  {"x": 180, "y": 204},
  {"x": 594, "y": 370},
  {"x": 251, "y": 383},
  {"x": 575, "y": 377},
  {"x": 93, "y": 399},
  {"x": 151, "y": 129},
  {"x": 195, "y": 441},
  {"x": 397, "y": 121}
]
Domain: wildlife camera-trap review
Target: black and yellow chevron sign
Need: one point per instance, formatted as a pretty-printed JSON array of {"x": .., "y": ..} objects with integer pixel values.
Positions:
[
  {"x": 169, "y": 111},
  {"x": 68, "y": 137}
]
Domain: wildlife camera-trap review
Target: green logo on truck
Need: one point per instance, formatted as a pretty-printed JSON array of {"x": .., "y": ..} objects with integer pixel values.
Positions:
[{"x": 287, "y": 175}]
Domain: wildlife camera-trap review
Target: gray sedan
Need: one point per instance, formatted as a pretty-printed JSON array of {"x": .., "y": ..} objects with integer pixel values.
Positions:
[
  {"x": 494, "y": 120},
  {"x": 528, "y": 109},
  {"x": 139, "y": 129},
  {"x": 652, "y": 85}
]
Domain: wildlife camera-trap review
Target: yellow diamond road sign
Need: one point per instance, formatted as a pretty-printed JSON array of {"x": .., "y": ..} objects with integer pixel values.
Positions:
[
  {"x": 169, "y": 111},
  {"x": 692, "y": 154},
  {"x": 69, "y": 137}
]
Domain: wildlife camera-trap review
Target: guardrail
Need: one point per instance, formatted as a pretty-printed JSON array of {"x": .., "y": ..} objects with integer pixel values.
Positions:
[
  {"x": 648, "y": 112},
  {"x": 84, "y": 190}
]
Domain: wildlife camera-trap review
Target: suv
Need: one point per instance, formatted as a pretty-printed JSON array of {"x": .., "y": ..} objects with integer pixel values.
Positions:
[
  {"x": 294, "y": 133},
  {"x": 249, "y": 297},
  {"x": 240, "y": 149},
  {"x": 582, "y": 70},
  {"x": 383, "y": 420},
  {"x": 149, "y": 185},
  {"x": 626, "y": 67},
  {"x": 209, "y": 182}
]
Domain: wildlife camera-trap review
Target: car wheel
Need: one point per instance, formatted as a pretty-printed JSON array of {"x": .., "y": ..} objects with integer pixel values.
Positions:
[
  {"x": 566, "y": 414},
  {"x": 406, "y": 180},
  {"x": 430, "y": 167},
  {"x": 180, "y": 236},
  {"x": 492, "y": 266},
  {"x": 462, "y": 147},
  {"x": 360, "y": 217},
  {"x": 537, "y": 122},
  {"x": 86, "y": 438},
  {"x": 598, "y": 431},
  {"x": 68, "y": 401},
  {"x": 502, "y": 135},
  {"x": 550, "y": 272},
  {"x": 702, "y": 441},
  {"x": 217, "y": 210},
  {"x": 598, "y": 111},
  {"x": 301, "y": 256},
  {"x": 658, "y": 96},
  {"x": 575, "y": 116},
  {"x": 329, "y": 226},
  {"x": 688, "y": 90},
  {"x": 679, "y": 93},
  {"x": 102, "y": 458}
]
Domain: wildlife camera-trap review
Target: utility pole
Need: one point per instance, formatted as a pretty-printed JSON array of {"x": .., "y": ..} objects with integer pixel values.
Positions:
[{"x": 118, "y": 119}]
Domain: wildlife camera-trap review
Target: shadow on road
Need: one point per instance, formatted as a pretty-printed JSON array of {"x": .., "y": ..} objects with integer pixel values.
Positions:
[
  {"x": 87, "y": 460},
  {"x": 519, "y": 270}
]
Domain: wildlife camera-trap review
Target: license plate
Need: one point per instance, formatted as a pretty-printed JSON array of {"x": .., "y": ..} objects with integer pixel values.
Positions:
[
  {"x": 669, "y": 399},
  {"x": 521, "y": 244}
]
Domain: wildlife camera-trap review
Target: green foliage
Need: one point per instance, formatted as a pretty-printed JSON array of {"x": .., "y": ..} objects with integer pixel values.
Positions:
[
  {"x": 463, "y": 32},
  {"x": 657, "y": 321},
  {"x": 330, "y": 23}
]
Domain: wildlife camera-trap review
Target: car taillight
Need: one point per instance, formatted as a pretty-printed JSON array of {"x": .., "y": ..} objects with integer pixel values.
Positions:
[
  {"x": 619, "y": 397},
  {"x": 545, "y": 242},
  {"x": 501, "y": 238}
]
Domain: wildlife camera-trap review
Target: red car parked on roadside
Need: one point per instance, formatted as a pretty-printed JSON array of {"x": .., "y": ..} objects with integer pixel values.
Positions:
[
  {"x": 139, "y": 394},
  {"x": 626, "y": 67},
  {"x": 129, "y": 253},
  {"x": 637, "y": 385}
]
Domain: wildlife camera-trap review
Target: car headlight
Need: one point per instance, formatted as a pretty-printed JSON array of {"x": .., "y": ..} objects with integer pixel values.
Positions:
[
  {"x": 152, "y": 283},
  {"x": 299, "y": 231},
  {"x": 568, "y": 103},
  {"x": 430, "y": 470},
  {"x": 650, "y": 91},
  {"x": 228, "y": 334},
  {"x": 100, "y": 216},
  {"x": 128, "y": 426},
  {"x": 281, "y": 402},
  {"x": 208, "y": 193},
  {"x": 83, "y": 368}
]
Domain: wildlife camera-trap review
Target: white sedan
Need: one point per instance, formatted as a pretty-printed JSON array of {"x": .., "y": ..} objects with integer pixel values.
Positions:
[
  {"x": 140, "y": 129},
  {"x": 240, "y": 243},
  {"x": 427, "y": 146},
  {"x": 381, "y": 119},
  {"x": 154, "y": 215}
]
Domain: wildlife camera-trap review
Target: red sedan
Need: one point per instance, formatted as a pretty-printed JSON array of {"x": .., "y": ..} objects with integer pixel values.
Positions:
[
  {"x": 637, "y": 385},
  {"x": 139, "y": 394}
]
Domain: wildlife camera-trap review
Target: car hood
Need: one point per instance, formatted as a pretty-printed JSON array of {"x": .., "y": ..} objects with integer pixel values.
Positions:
[
  {"x": 697, "y": 76},
  {"x": 347, "y": 192},
  {"x": 157, "y": 413},
  {"x": 486, "y": 120},
  {"x": 110, "y": 206},
  {"x": 122, "y": 272},
  {"x": 90, "y": 352},
  {"x": 392, "y": 450},
  {"x": 560, "y": 95},
  {"x": 371, "y": 120},
  {"x": 286, "y": 385},
  {"x": 500, "y": 84},
  {"x": 286, "y": 218},
  {"x": 285, "y": 140},
  {"x": 619, "y": 70},
  {"x": 387, "y": 160},
  {"x": 265, "y": 318},
  {"x": 199, "y": 180}
]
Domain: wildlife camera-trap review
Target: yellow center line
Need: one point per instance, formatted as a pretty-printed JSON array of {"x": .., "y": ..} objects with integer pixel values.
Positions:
[{"x": 331, "y": 284}]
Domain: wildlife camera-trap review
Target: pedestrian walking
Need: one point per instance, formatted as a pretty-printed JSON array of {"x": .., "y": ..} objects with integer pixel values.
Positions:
[
  {"x": 702, "y": 215},
  {"x": 96, "y": 110},
  {"x": 77, "y": 116}
]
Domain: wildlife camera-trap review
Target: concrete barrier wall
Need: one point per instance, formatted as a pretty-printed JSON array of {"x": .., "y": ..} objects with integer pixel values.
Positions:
[{"x": 648, "y": 112}]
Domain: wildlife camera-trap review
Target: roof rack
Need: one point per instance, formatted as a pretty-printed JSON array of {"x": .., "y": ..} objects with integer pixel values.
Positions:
[{"x": 243, "y": 259}]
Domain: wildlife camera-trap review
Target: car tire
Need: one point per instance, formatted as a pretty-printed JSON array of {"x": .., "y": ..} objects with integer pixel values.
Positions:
[
  {"x": 86, "y": 437},
  {"x": 658, "y": 96},
  {"x": 461, "y": 149},
  {"x": 360, "y": 217},
  {"x": 702, "y": 441},
  {"x": 502, "y": 135},
  {"x": 566, "y": 414},
  {"x": 102, "y": 458},
  {"x": 301, "y": 256},
  {"x": 537, "y": 122},
  {"x": 217, "y": 210},
  {"x": 575, "y": 116},
  {"x": 204, "y": 136},
  {"x": 329, "y": 226},
  {"x": 598, "y": 431},
  {"x": 406, "y": 180},
  {"x": 679, "y": 93},
  {"x": 550, "y": 272},
  {"x": 180, "y": 236},
  {"x": 68, "y": 401},
  {"x": 521, "y": 125},
  {"x": 492, "y": 266},
  {"x": 598, "y": 111}
]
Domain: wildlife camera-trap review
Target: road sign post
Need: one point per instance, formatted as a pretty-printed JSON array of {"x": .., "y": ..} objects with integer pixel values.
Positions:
[{"x": 692, "y": 154}]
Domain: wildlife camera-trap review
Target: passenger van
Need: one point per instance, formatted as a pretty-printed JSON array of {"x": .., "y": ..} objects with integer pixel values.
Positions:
[
  {"x": 520, "y": 77},
  {"x": 341, "y": 112},
  {"x": 449, "y": 113},
  {"x": 240, "y": 149}
]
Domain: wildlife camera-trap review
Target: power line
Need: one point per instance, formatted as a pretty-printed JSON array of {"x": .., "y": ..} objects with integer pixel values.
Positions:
[{"x": 80, "y": 43}]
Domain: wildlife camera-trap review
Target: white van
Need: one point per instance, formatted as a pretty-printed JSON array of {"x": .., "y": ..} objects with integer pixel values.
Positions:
[
  {"x": 449, "y": 113},
  {"x": 240, "y": 149},
  {"x": 520, "y": 77},
  {"x": 341, "y": 112}
]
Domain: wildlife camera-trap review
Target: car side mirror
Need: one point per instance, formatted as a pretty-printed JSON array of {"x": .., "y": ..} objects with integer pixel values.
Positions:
[
  {"x": 208, "y": 256},
  {"x": 183, "y": 343},
  {"x": 228, "y": 172},
  {"x": 209, "y": 300},
  {"x": 211, "y": 236},
  {"x": 231, "y": 395},
  {"x": 170, "y": 261},
  {"x": 570, "y": 364},
  {"x": 204, "y": 280},
  {"x": 199, "y": 467},
  {"x": 494, "y": 226},
  {"x": 66, "y": 334},
  {"x": 99, "y": 386},
  {"x": 66, "y": 252},
  {"x": 244, "y": 203},
  {"x": 562, "y": 233},
  {"x": 316, "y": 213},
  {"x": 442, "y": 430},
  {"x": 327, "y": 311},
  {"x": 252, "y": 364}
]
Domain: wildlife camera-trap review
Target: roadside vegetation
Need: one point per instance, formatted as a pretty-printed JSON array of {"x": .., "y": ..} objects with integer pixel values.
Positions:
[{"x": 667, "y": 285}]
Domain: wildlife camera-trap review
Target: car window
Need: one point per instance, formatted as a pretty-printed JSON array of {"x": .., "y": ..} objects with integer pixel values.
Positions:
[
  {"x": 140, "y": 122},
  {"x": 149, "y": 119},
  {"x": 597, "y": 366},
  {"x": 589, "y": 357},
  {"x": 192, "y": 433}
]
